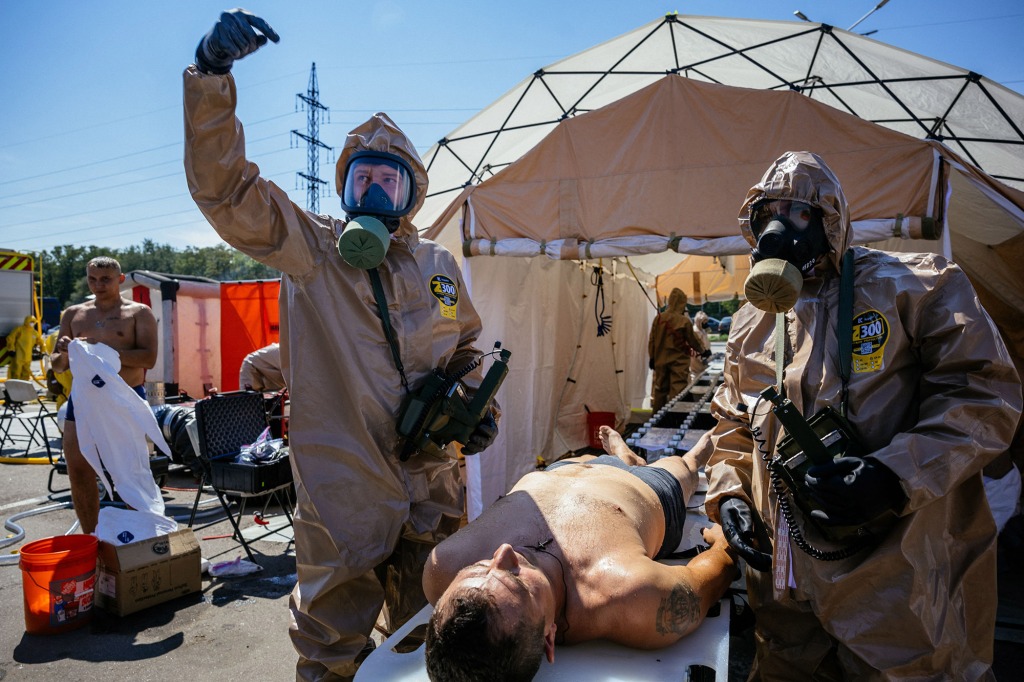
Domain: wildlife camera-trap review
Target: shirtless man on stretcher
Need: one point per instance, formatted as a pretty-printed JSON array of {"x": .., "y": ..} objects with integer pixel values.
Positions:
[{"x": 569, "y": 555}]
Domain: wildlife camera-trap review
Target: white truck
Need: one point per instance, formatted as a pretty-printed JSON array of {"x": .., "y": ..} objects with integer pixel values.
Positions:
[{"x": 16, "y": 290}]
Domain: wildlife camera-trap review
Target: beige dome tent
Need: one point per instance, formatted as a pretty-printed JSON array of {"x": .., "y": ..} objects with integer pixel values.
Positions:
[{"x": 643, "y": 148}]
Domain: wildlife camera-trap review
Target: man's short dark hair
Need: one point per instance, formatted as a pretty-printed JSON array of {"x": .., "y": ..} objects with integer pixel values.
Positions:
[
  {"x": 465, "y": 642},
  {"x": 104, "y": 263}
]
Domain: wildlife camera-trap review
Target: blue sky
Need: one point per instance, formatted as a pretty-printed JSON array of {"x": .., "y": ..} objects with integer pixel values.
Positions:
[{"x": 90, "y": 116}]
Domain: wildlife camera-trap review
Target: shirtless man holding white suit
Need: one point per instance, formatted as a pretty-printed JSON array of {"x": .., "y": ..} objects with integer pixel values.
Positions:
[{"x": 127, "y": 327}]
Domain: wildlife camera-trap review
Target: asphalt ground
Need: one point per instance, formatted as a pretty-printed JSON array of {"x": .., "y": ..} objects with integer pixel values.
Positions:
[{"x": 235, "y": 628}]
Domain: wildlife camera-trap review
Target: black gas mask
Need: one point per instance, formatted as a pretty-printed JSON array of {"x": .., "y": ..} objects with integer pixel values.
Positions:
[
  {"x": 790, "y": 230},
  {"x": 790, "y": 238},
  {"x": 379, "y": 189}
]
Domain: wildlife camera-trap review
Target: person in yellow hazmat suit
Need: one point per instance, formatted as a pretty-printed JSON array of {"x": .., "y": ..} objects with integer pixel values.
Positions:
[
  {"x": 59, "y": 383},
  {"x": 20, "y": 343},
  {"x": 669, "y": 345},
  {"x": 368, "y": 312},
  {"x": 870, "y": 551}
]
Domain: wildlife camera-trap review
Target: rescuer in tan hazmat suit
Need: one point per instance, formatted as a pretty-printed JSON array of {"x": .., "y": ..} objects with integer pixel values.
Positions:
[
  {"x": 933, "y": 397},
  {"x": 698, "y": 363},
  {"x": 669, "y": 345},
  {"x": 365, "y": 521},
  {"x": 261, "y": 369}
]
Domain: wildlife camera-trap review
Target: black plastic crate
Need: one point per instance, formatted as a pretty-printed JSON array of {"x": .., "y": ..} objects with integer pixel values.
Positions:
[
  {"x": 251, "y": 477},
  {"x": 227, "y": 422}
]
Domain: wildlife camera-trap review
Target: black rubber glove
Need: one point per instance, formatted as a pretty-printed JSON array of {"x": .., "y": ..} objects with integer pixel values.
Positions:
[
  {"x": 706, "y": 354},
  {"x": 482, "y": 437},
  {"x": 650, "y": 363},
  {"x": 232, "y": 38},
  {"x": 745, "y": 533},
  {"x": 853, "y": 490}
]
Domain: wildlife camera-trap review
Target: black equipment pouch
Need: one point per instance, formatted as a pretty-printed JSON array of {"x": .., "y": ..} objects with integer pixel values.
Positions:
[
  {"x": 824, "y": 437},
  {"x": 441, "y": 411}
]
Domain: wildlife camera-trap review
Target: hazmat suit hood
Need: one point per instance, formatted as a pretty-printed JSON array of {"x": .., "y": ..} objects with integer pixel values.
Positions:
[
  {"x": 380, "y": 134},
  {"x": 676, "y": 301},
  {"x": 804, "y": 176}
]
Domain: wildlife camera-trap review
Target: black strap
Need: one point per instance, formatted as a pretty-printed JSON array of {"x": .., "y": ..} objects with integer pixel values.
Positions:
[
  {"x": 780, "y": 352},
  {"x": 385, "y": 322},
  {"x": 844, "y": 326}
]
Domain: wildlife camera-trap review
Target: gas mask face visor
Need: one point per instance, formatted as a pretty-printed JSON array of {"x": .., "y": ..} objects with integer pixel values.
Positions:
[
  {"x": 378, "y": 184},
  {"x": 790, "y": 238},
  {"x": 790, "y": 230},
  {"x": 379, "y": 189}
]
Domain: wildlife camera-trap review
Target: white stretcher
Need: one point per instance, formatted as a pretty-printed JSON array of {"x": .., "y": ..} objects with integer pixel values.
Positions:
[
  {"x": 593, "y": 661},
  {"x": 599, "y": 660}
]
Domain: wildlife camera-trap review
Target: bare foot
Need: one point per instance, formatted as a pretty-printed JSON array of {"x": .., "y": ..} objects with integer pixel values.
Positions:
[{"x": 613, "y": 444}]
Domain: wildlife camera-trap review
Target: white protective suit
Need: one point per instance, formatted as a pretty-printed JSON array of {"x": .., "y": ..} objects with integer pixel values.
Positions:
[
  {"x": 113, "y": 422},
  {"x": 934, "y": 396},
  {"x": 364, "y": 521}
]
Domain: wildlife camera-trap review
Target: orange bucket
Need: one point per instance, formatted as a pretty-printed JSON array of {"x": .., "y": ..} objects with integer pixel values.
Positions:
[
  {"x": 595, "y": 420},
  {"x": 58, "y": 577}
]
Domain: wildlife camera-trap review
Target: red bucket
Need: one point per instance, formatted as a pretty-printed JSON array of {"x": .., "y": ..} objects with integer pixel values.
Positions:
[
  {"x": 595, "y": 420},
  {"x": 58, "y": 576}
]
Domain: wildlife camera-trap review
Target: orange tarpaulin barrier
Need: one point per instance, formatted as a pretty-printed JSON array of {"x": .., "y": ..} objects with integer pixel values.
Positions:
[{"x": 248, "y": 320}]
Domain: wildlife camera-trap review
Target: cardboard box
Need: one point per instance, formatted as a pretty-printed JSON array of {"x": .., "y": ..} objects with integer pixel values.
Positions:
[{"x": 133, "y": 577}]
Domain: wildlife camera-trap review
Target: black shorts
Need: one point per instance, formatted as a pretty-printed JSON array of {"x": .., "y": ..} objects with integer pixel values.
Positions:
[
  {"x": 664, "y": 485},
  {"x": 70, "y": 414}
]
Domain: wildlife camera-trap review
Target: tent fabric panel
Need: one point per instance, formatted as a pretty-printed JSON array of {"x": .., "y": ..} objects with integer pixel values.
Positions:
[
  {"x": 248, "y": 321},
  {"x": 140, "y": 294},
  {"x": 197, "y": 344},
  {"x": 697, "y": 148},
  {"x": 740, "y": 52},
  {"x": 543, "y": 312},
  {"x": 974, "y": 214},
  {"x": 706, "y": 278}
]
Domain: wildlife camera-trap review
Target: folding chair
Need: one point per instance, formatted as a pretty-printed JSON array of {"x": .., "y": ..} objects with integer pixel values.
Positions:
[
  {"x": 18, "y": 395},
  {"x": 224, "y": 423}
]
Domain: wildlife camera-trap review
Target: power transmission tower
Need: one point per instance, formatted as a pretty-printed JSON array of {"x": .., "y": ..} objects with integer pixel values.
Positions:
[{"x": 316, "y": 113}]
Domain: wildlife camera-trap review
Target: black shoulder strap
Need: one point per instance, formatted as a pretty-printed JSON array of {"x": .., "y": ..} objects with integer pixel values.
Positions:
[
  {"x": 844, "y": 324},
  {"x": 385, "y": 321}
]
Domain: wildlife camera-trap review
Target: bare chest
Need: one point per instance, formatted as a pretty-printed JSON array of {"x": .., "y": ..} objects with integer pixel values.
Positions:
[{"x": 115, "y": 328}]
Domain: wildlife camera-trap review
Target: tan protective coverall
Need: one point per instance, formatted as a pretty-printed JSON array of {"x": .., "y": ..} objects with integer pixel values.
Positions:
[
  {"x": 934, "y": 397},
  {"x": 261, "y": 369},
  {"x": 361, "y": 515},
  {"x": 669, "y": 345},
  {"x": 697, "y": 364}
]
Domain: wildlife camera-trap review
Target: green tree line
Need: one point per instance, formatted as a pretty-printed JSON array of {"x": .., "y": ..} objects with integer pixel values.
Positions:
[{"x": 63, "y": 268}]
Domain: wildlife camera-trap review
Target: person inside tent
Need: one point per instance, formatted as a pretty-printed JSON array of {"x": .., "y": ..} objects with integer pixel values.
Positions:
[
  {"x": 670, "y": 345},
  {"x": 698, "y": 361}
]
